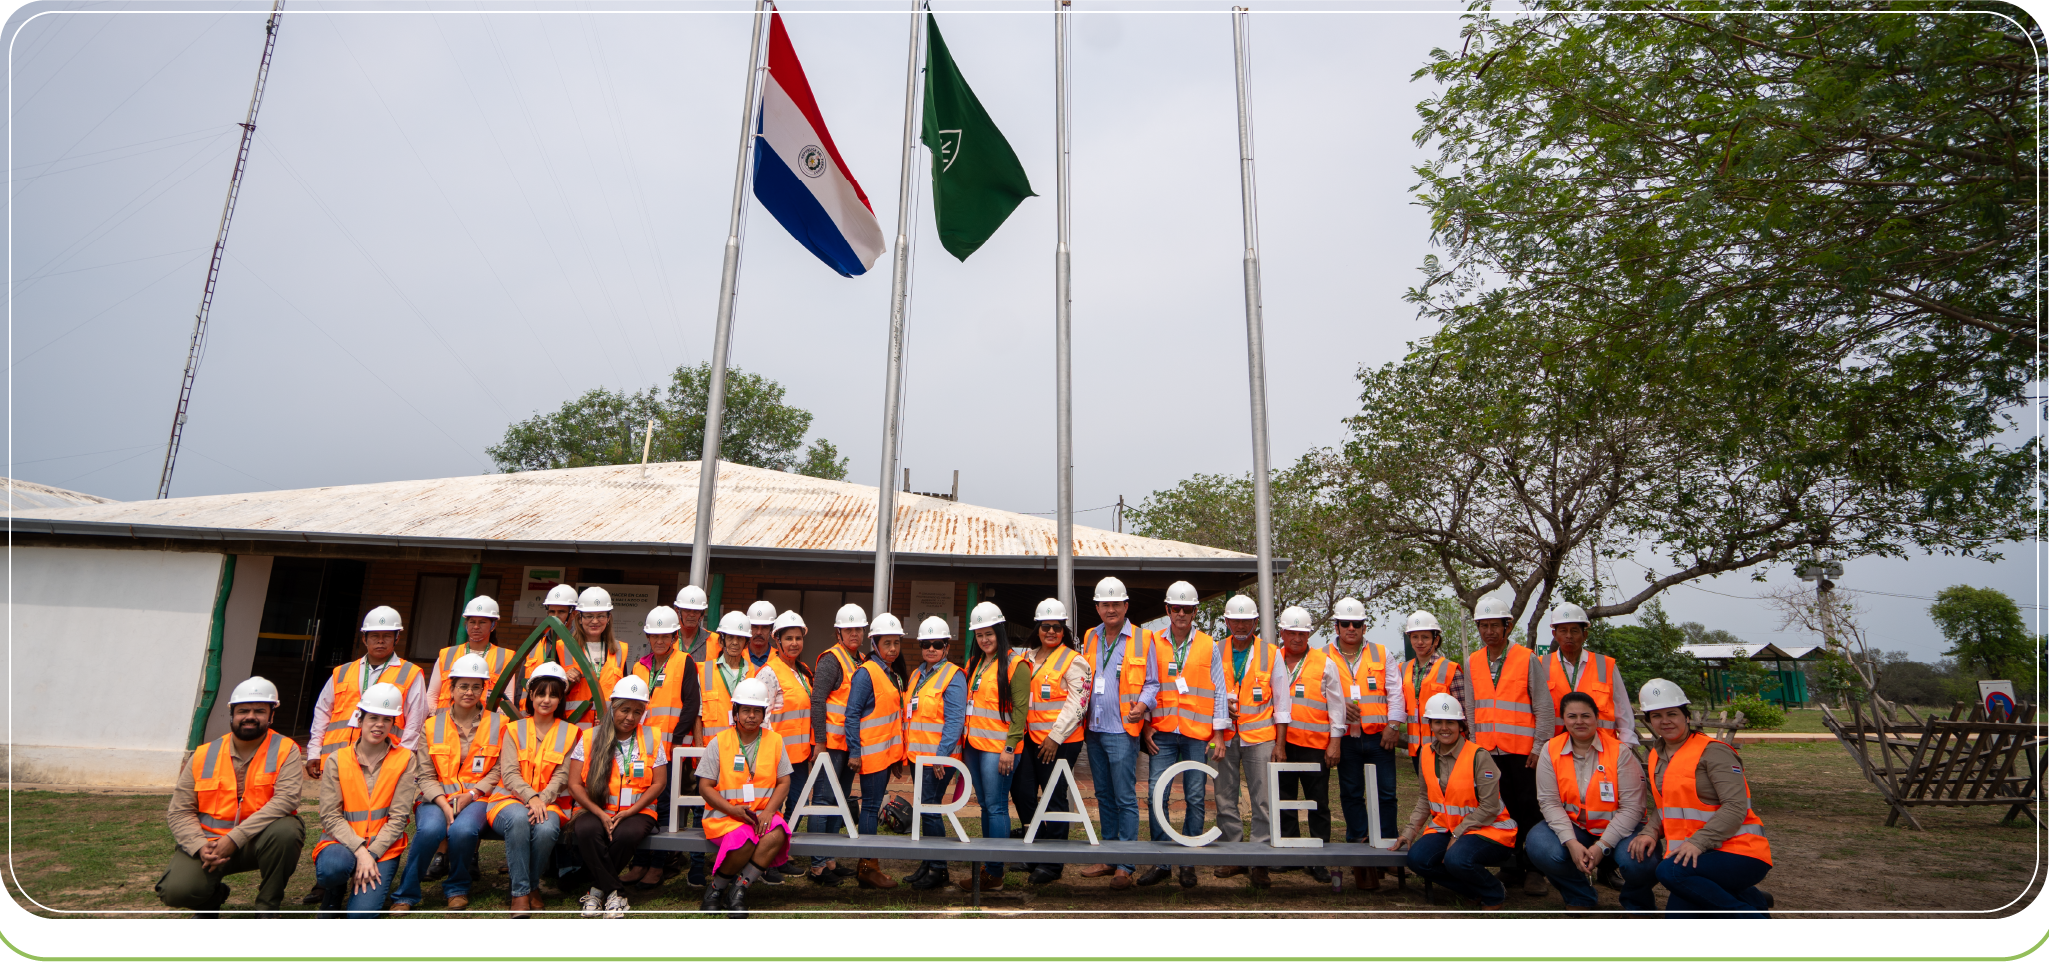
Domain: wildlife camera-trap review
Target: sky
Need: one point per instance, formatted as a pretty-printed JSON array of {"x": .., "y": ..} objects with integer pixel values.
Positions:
[{"x": 452, "y": 220}]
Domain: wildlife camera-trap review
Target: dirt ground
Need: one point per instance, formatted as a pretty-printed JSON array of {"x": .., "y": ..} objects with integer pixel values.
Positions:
[{"x": 86, "y": 853}]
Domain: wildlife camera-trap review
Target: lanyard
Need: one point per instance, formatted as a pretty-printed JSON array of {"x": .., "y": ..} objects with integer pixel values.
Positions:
[
  {"x": 624, "y": 752},
  {"x": 660, "y": 667},
  {"x": 731, "y": 677},
  {"x": 748, "y": 749},
  {"x": 1181, "y": 649},
  {"x": 1570, "y": 668},
  {"x": 373, "y": 673},
  {"x": 1103, "y": 659}
]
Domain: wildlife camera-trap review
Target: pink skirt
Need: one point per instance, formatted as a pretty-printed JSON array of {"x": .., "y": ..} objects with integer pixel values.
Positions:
[{"x": 744, "y": 836}]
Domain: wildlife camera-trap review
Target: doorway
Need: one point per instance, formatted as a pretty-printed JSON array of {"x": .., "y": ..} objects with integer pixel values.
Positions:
[{"x": 308, "y": 627}]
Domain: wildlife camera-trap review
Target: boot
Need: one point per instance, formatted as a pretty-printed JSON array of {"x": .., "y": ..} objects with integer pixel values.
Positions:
[
  {"x": 1534, "y": 884},
  {"x": 1187, "y": 877},
  {"x": 1366, "y": 878},
  {"x": 936, "y": 877},
  {"x": 992, "y": 881},
  {"x": 1154, "y": 876},
  {"x": 736, "y": 905},
  {"x": 1261, "y": 877},
  {"x": 870, "y": 875},
  {"x": 917, "y": 879},
  {"x": 714, "y": 898}
]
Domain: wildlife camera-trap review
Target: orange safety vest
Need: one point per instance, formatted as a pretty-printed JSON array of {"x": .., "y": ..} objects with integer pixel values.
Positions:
[
  {"x": 1683, "y": 812},
  {"x": 221, "y": 805},
  {"x": 665, "y": 691},
  {"x": 1450, "y": 806},
  {"x": 461, "y": 767},
  {"x": 1415, "y": 694},
  {"x": 882, "y": 728},
  {"x": 1503, "y": 720},
  {"x": 987, "y": 730},
  {"x": 1191, "y": 713},
  {"x": 1370, "y": 677},
  {"x": 715, "y": 698},
  {"x": 1254, "y": 722},
  {"x": 551, "y": 648},
  {"x": 495, "y": 658},
  {"x": 925, "y": 723},
  {"x": 836, "y": 702},
  {"x": 1049, "y": 695},
  {"x": 366, "y": 809},
  {"x": 739, "y": 784},
  {"x": 1600, "y": 686},
  {"x": 630, "y": 779},
  {"x": 1594, "y": 806},
  {"x": 579, "y": 706},
  {"x": 1143, "y": 650},
  {"x": 347, "y": 694},
  {"x": 1308, "y": 713},
  {"x": 539, "y": 756},
  {"x": 793, "y": 722}
]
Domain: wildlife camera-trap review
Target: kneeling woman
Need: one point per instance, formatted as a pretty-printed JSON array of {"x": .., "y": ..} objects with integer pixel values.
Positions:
[
  {"x": 1468, "y": 829},
  {"x": 366, "y": 798},
  {"x": 533, "y": 788},
  {"x": 744, "y": 777},
  {"x": 624, "y": 769},
  {"x": 1715, "y": 849}
]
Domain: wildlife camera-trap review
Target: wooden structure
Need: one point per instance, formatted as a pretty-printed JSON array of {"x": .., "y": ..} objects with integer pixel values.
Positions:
[{"x": 1954, "y": 761}]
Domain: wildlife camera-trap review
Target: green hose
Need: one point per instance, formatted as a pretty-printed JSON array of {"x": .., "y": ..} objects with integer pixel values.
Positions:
[{"x": 210, "y": 680}]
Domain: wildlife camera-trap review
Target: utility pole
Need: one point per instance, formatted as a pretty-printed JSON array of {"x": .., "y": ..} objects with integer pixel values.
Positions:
[
  {"x": 197, "y": 348},
  {"x": 1255, "y": 330}
]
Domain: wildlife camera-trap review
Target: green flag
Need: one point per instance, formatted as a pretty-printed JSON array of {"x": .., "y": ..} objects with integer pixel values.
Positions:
[{"x": 976, "y": 178}]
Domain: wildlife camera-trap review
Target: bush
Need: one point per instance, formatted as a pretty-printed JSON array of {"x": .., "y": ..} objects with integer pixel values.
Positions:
[{"x": 1757, "y": 712}]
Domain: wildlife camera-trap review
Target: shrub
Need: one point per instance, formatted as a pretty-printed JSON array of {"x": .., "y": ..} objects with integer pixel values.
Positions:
[{"x": 1757, "y": 712}]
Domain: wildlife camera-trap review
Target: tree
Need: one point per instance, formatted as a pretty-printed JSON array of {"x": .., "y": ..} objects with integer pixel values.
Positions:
[
  {"x": 1697, "y": 633},
  {"x": 1985, "y": 632},
  {"x": 606, "y": 428},
  {"x": 1648, "y": 649},
  {"x": 1800, "y": 608}
]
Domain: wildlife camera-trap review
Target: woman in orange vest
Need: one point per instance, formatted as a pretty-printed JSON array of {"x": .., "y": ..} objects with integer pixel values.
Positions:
[
  {"x": 462, "y": 744},
  {"x": 1459, "y": 826},
  {"x": 601, "y": 646},
  {"x": 875, "y": 732},
  {"x": 999, "y": 691},
  {"x": 1715, "y": 849},
  {"x": 551, "y": 648},
  {"x": 1591, "y": 790},
  {"x": 788, "y": 680},
  {"x": 366, "y": 799},
  {"x": 479, "y": 622},
  {"x": 1426, "y": 674},
  {"x": 744, "y": 777},
  {"x": 1058, "y": 689},
  {"x": 621, "y": 769},
  {"x": 671, "y": 676},
  {"x": 935, "y": 718},
  {"x": 533, "y": 799}
]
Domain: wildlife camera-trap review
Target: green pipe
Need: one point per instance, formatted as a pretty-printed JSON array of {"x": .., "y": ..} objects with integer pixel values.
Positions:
[
  {"x": 713, "y": 597},
  {"x": 518, "y": 662},
  {"x": 469, "y": 590},
  {"x": 210, "y": 685}
]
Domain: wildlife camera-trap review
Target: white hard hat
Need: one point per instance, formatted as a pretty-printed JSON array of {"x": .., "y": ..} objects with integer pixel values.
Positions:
[
  {"x": 560, "y": 595},
  {"x": 253, "y": 691},
  {"x": 1659, "y": 693},
  {"x": 851, "y": 616},
  {"x": 985, "y": 614},
  {"x": 594, "y": 600},
  {"x": 788, "y": 619},
  {"x": 547, "y": 669},
  {"x": 934, "y": 629},
  {"x": 692, "y": 597},
  {"x": 1492, "y": 608},
  {"x": 735, "y": 623},
  {"x": 1421, "y": 620},
  {"x": 1568, "y": 614},
  {"x": 382, "y": 619},
  {"x": 382, "y": 698},
  {"x": 1110, "y": 590},
  {"x": 661, "y": 620},
  {"x": 481, "y": 606},
  {"x": 761, "y": 612},
  {"x": 1443, "y": 707},
  {"x": 751, "y": 692},
  {"x": 885, "y": 624},
  {"x": 1050, "y": 609},
  {"x": 1348, "y": 609},
  {"x": 1181, "y": 593},
  {"x": 470, "y": 666},
  {"x": 1297, "y": 619},
  {"x": 630, "y": 688},
  {"x": 1240, "y": 608}
]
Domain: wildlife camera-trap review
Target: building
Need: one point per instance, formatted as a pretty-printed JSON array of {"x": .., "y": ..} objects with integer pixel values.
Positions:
[{"x": 123, "y": 601}]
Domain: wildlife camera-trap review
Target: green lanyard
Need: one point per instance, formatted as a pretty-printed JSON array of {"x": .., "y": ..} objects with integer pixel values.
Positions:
[
  {"x": 660, "y": 667},
  {"x": 627, "y": 751},
  {"x": 731, "y": 677},
  {"x": 748, "y": 750},
  {"x": 371, "y": 674},
  {"x": 1180, "y": 652}
]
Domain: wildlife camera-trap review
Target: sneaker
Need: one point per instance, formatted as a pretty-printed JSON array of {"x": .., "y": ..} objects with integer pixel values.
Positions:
[
  {"x": 772, "y": 875},
  {"x": 593, "y": 904},
  {"x": 696, "y": 876},
  {"x": 616, "y": 906}
]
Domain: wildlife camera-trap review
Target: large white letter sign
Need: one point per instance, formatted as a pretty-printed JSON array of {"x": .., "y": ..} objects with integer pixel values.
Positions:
[
  {"x": 1061, "y": 772},
  {"x": 677, "y": 800},
  {"x": 1275, "y": 804},
  {"x": 1165, "y": 782},
  {"x": 1373, "y": 809},
  {"x": 919, "y": 809},
  {"x": 838, "y": 808}
]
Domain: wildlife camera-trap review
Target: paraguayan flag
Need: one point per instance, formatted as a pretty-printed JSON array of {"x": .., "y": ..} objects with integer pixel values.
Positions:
[{"x": 798, "y": 173}]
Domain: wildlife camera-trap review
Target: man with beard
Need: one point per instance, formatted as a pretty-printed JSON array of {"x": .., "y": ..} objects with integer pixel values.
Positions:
[{"x": 236, "y": 809}]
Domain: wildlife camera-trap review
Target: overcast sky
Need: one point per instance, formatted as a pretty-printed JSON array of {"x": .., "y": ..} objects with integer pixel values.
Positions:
[{"x": 453, "y": 220}]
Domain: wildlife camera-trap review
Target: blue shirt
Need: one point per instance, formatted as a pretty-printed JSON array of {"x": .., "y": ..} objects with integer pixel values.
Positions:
[
  {"x": 1104, "y": 714},
  {"x": 860, "y": 701},
  {"x": 956, "y": 705}
]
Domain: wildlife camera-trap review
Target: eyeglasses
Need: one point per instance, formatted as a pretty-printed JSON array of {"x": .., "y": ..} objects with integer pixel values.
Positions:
[
  {"x": 1351, "y": 624},
  {"x": 1043, "y": 628},
  {"x": 1180, "y": 610},
  {"x": 932, "y": 645}
]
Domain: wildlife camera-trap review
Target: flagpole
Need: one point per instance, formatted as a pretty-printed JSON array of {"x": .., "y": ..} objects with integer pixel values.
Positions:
[
  {"x": 1255, "y": 334},
  {"x": 1063, "y": 316},
  {"x": 722, "y": 337},
  {"x": 899, "y": 297}
]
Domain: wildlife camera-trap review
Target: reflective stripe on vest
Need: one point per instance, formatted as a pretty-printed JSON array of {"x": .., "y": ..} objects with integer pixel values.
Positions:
[
  {"x": 538, "y": 760},
  {"x": 793, "y": 722},
  {"x": 453, "y": 757},
  {"x": 1687, "y": 812},
  {"x": 1590, "y": 813},
  {"x": 1309, "y": 713},
  {"x": 1450, "y": 805},
  {"x": 1415, "y": 695},
  {"x": 495, "y": 658},
  {"x": 664, "y": 704},
  {"x": 836, "y": 702},
  {"x": 925, "y": 724},
  {"x": 882, "y": 730},
  {"x": 1372, "y": 696},
  {"x": 768, "y": 756},
  {"x": 220, "y": 804},
  {"x": 987, "y": 730},
  {"x": 625, "y": 788},
  {"x": 1131, "y": 671},
  {"x": 1503, "y": 720},
  {"x": 1192, "y": 715},
  {"x": 347, "y": 694},
  {"x": 1254, "y": 722},
  {"x": 1601, "y": 689},
  {"x": 1049, "y": 695},
  {"x": 365, "y": 808}
]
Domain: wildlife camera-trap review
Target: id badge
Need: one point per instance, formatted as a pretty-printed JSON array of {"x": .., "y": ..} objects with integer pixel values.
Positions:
[
  {"x": 1181, "y": 685},
  {"x": 1045, "y": 692},
  {"x": 914, "y": 702},
  {"x": 1099, "y": 684},
  {"x": 1298, "y": 690},
  {"x": 1173, "y": 667},
  {"x": 740, "y": 763},
  {"x": 638, "y": 769},
  {"x": 1372, "y": 683},
  {"x": 476, "y": 764},
  {"x": 747, "y": 793},
  {"x": 1257, "y": 694},
  {"x": 1355, "y": 690},
  {"x": 1607, "y": 791}
]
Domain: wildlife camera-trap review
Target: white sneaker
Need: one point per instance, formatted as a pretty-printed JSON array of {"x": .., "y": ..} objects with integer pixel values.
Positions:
[
  {"x": 592, "y": 902},
  {"x": 616, "y": 906}
]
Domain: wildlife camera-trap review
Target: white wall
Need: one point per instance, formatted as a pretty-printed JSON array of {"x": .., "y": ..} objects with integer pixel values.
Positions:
[
  {"x": 105, "y": 649},
  {"x": 238, "y": 646}
]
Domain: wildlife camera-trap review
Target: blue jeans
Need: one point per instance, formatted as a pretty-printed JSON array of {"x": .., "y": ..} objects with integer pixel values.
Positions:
[
  {"x": 1552, "y": 858},
  {"x": 1176, "y": 748},
  {"x": 874, "y": 788},
  {"x": 822, "y": 795},
  {"x": 528, "y": 847},
  {"x": 333, "y": 868},
  {"x": 1113, "y": 767},
  {"x": 1354, "y": 754},
  {"x": 1462, "y": 868},
  {"x": 430, "y": 827},
  {"x": 1718, "y": 881},
  {"x": 992, "y": 789}
]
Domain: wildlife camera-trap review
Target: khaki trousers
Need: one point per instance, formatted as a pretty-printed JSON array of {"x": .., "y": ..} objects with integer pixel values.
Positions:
[
  {"x": 1247, "y": 763},
  {"x": 274, "y": 852}
]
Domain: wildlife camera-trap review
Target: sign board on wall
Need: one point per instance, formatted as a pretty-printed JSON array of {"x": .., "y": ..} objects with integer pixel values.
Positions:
[
  {"x": 1998, "y": 698},
  {"x": 932, "y": 598},
  {"x": 534, "y": 584}
]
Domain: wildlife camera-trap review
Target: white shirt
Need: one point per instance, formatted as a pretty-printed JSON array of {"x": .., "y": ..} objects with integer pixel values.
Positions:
[
  {"x": 1284, "y": 689},
  {"x": 419, "y": 707},
  {"x": 1390, "y": 682}
]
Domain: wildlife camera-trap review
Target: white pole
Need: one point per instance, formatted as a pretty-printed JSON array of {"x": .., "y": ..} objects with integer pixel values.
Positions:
[
  {"x": 722, "y": 337},
  {"x": 1063, "y": 317},
  {"x": 899, "y": 297},
  {"x": 1255, "y": 336}
]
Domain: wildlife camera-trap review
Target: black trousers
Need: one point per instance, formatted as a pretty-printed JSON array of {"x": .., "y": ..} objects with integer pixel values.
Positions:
[
  {"x": 603, "y": 857},
  {"x": 1312, "y": 785},
  {"x": 1519, "y": 796},
  {"x": 1028, "y": 780}
]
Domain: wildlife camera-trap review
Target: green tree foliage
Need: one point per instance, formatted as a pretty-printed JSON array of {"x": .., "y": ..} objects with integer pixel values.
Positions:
[
  {"x": 606, "y": 428},
  {"x": 1648, "y": 649},
  {"x": 1698, "y": 633},
  {"x": 1985, "y": 632}
]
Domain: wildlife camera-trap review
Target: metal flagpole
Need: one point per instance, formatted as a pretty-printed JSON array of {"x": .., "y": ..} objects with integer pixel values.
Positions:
[
  {"x": 899, "y": 297},
  {"x": 1255, "y": 336},
  {"x": 1063, "y": 316},
  {"x": 722, "y": 338}
]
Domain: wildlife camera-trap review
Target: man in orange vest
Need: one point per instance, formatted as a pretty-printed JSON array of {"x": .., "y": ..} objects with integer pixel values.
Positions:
[
  {"x": 691, "y": 605},
  {"x": 1124, "y": 660},
  {"x": 234, "y": 809},
  {"x": 1511, "y": 706},
  {"x": 1191, "y": 703},
  {"x": 760, "y": 633},
  {"x": 1241, "y": 747},
  {"x": 1571, "y": 667},
  {"x": 1426, "y": 672},
  {"x": 1459, "y": 826},
  {"x": 1308, "y": 710},
  {"x": 333, "y": 712},
  {"x": 1373, "y": 706}
]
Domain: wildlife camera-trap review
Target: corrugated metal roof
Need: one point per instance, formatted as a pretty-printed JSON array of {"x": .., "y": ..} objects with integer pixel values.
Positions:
[
  {"x": 23, "y": 495},
  {"x": 594, "y": 506}
]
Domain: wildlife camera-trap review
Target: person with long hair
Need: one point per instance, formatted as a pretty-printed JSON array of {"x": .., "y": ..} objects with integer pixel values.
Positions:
[
  {"x": 624, "y": 769},
  {"x": 999, "y": 691},
  {"x": 875, "y": 732},
  {"x": 533, "y": 798},
  {"x": 671, "y": 677},
  {"x": 1058, "y": 692},
  {"x": 602, "y": 647},
  {"x": 1715, "y": 851}
]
